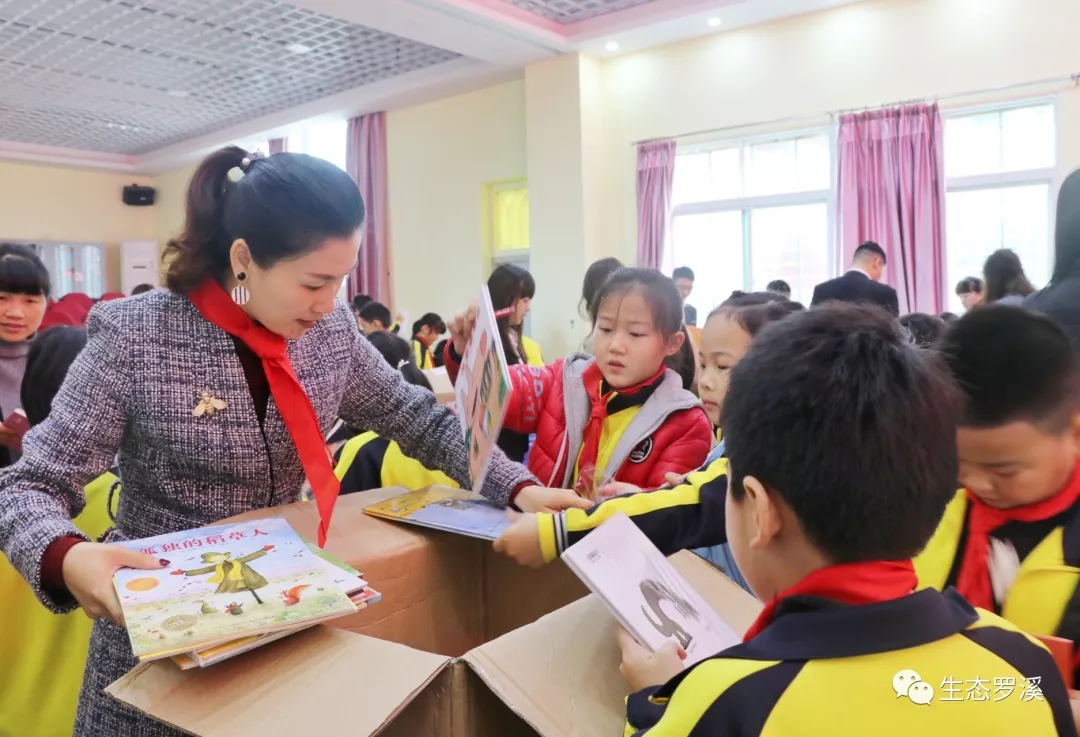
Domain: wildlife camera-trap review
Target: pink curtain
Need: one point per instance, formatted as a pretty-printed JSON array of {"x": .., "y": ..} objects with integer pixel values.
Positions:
[
  {"x": 278, "y": 145},
  {"x": 366, "y": 163},
  {"x": 892, "y": 190},
  {"x": 655, "y": 174}
]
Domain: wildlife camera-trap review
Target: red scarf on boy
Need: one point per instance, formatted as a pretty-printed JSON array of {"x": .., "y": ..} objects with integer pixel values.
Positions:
[
  {"x": 850, "y": 583},
  {"x": 593, "y": 379},
  {"x": 973, "y": 583},
  {"x": 289, "y": 396}
]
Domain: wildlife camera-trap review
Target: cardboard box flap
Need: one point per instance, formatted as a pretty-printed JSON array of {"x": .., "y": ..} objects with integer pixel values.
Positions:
[
  {"x": 560, "y": 674},
  {"x": 320, "y": 681}
]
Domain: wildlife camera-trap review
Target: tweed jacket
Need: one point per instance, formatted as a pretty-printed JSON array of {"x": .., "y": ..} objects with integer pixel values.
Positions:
[{"x": 131, "y": 395}]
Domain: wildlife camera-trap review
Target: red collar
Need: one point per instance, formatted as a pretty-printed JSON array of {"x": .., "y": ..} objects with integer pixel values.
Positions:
[
  {"x": 850, "y": 583},
  {"x": 601, "y": 392}
]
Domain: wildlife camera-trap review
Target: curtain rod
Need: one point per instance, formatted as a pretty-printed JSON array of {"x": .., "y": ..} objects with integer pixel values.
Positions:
[{"x": 1063, "y": 79}]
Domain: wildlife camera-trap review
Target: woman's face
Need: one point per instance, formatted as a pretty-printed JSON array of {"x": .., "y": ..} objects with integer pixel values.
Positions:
[
  {"x": 20, "y": 315},
  {"x": 521, "y": 309},
  {"x": 291, "y": 296}
]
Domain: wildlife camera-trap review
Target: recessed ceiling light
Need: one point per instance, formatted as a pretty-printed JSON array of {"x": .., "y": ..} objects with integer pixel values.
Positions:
[
  {"x": 177, "y": 93},
  {"x": 612, "y": 46},
  {"x": 124, "y": 127},
  {"x": 298, "y": 48},
  {"x": 714, "y": 22}
]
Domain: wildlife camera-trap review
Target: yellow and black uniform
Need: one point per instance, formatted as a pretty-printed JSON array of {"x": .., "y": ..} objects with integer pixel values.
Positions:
[
  {"x": 1044, "y": 598},
  {"x": 372, "y": 462},
  {"x": 43, "y": 655},
  {"x": 422, "y": 355},
  {"x": 826, "y": 668},
  {"x": 531, "y": 349},
  {"x": 687, "y": 516}
]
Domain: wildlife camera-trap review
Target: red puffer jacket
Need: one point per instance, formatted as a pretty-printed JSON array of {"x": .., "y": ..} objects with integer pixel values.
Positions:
[{"x": 669, "y": 433}]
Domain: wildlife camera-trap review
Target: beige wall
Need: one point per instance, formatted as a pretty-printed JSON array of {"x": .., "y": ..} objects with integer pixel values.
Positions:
[
  {"x": 169, "y": 206},
  {"x": 48, "y": 203},
  {"x": 440, "y": 156}
]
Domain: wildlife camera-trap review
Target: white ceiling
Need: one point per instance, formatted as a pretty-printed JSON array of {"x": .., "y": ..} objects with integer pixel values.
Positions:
[{"x": 147, "y": 85}]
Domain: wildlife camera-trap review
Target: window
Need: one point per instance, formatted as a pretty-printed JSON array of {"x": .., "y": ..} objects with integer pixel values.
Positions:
[
  {"x": 74, "y": 267},
  {"x": 753, "y": 211},
  {"x": 999, "y": 167},
  {"x": 325, "y": 140}
]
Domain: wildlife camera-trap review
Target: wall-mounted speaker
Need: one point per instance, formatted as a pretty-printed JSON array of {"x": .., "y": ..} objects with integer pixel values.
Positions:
[{"x": 138, "y": 196}]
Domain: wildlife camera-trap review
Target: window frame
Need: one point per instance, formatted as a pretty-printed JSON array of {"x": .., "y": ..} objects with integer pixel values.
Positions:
[
  {"x": 745, "y": 205},
  {"x": 1048, "y": 176},
  {"x": 48, "y": 251}
]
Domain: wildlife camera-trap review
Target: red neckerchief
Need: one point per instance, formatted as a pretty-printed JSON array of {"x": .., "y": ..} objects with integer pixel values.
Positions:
[
  {"x": 594, "y": 429},
  {"x": 289, "y": 396},
  {"x": 850, "y": 583},
  {"x": 973, "y": 583}
]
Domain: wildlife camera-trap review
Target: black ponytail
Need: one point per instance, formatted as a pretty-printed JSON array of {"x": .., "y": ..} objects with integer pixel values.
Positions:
[
  {"x": 398, "y": 353},
  {"x": 282, "y": 206}
]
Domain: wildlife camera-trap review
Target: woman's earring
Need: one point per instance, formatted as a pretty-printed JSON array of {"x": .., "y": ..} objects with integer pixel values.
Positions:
[{"x": 240, "y": 293}]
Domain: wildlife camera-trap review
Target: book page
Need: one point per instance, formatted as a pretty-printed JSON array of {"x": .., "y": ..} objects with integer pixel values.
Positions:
[
  {"x": 445, "y": 509},
  {"x": 645, "y": 592}
]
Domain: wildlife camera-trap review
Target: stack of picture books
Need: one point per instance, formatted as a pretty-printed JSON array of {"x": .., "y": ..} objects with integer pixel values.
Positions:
[{"x": 228, "y": 589}]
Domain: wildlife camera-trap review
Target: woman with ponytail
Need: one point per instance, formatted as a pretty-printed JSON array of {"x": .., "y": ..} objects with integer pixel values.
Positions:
[{"x": 214, "y": 396}]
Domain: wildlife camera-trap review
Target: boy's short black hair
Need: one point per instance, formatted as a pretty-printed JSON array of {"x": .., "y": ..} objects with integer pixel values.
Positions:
[
  {"x": 870, "y": 248},
  {"x": 779, "y": 286},
  {"x": 969, "y": 284},
  {"x": 855, "y": 428},
  {"x": 924, "y": 330},
  {"x": 51, "y": 355},
  {"x": 142, "y": 289},
  {"x": 683, "y": 272},
  {"x": 752, "y": 311},
  {"x": 22, "y": 271},
  {"x": 377, "y": 311},
  {"x": 358, "y": 302},
  {"x": 948, "y": 317},
  {"x": 1013, "y": 365}
]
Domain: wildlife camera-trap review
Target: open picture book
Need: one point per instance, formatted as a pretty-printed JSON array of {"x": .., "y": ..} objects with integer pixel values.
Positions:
[
  {"x": 444, "y": 509},
  {"x": 230, "y": 588},
  {"x": 645, "y": 592}
]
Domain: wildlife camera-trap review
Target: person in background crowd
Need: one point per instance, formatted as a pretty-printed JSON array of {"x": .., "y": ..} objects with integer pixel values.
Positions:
[
  {"x": 1006, "y": 282},
  {"x": 142, "y": 289},
  {"x": 1060, "y": 300},
  {"x": 358, "y": 303},
  {"x": 924, "y": 330},
  {"x": 779, "y": 286},
  {"x": 595, "y": 276},
  {"x": 425, "y": 332},
  {"x": 71, "y": 310},
  {"x": 948, "y": 317},
  {"x": 512, "y": 287},
  {"x": 110, "y": 296},
  {"x": 251, "y": 304},
  {"x": 368, "y": 461},
  {"x": 24, "y": 294},
  {"x": 861, "y": 284},
  {"x": 684, "y": 281},
  {"x": 970, "y": 291},
  {"x": 375, "y": 316},
  {"x": 823, "y": 523},
  {"x": 438, "y": 353},
  {"x": 45, "y": 654},
  {"x": 619, "y": 416}
]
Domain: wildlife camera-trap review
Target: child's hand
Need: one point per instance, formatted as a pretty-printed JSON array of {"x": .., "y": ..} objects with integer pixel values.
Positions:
[
  {"x": 521, "y": 540},
  {"x": 675, "y": 479},
  {"x": 542, "y": 499},
  {"x": 461, "y": 327},
  {"x": 643, "y": 669},
  {"x": 615, "y": 488}
]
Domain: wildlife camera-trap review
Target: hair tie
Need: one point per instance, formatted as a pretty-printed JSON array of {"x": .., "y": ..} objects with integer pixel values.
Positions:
[{"x": 402, "y": 364}]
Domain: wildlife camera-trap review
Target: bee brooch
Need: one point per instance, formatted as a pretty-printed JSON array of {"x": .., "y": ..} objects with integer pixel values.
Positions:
[{"x": 208, "y": 405}]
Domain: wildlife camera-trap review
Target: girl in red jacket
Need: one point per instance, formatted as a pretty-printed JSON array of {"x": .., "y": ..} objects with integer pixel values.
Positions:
[{"x": 619, "y": 415}]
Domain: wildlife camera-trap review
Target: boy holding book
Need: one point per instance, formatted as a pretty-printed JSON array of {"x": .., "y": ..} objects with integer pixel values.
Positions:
[{"x": 825, "y": 536}]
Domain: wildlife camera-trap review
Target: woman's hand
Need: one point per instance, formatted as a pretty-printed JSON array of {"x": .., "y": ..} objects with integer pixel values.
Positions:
[
  {"x": 542, "y": 499},
  {"x": 88, "y": 570},
  {"x": 461, "y": 327},
  {"x": 643, "y": 669}
]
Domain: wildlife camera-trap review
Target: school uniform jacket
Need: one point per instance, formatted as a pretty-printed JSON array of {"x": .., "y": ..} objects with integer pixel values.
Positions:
[
  {"x": 826, "y": 668},
  {"x": 131, "y": 394},
  {"x": 1044, "y": 598},
  {"x": 669, "y": 432},
  {"x": 372, "y": 462}
]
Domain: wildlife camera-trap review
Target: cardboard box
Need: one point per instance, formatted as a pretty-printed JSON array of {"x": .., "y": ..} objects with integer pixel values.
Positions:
[
  {"x": 521, "y": 670},
  {"x": 441, "y": 384}
]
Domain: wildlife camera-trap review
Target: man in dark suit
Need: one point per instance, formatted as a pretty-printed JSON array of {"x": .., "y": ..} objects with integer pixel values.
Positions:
[
  {"x": 861, "y": 282},
  {"x": 684, "y": 281}
]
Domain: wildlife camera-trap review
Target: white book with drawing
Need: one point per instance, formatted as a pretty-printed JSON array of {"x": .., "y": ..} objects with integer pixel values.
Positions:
[{"x": 645, "y": 592}]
